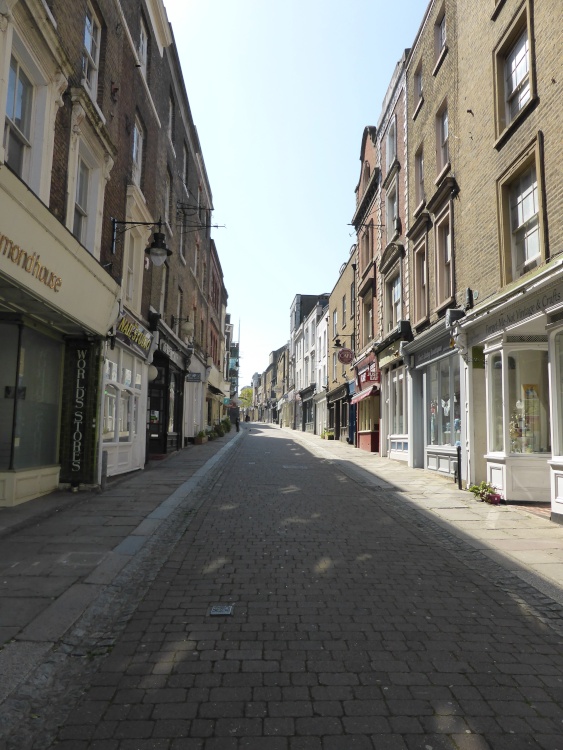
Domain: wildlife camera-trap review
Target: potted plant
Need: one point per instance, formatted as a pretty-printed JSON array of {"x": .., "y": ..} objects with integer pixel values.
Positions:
[
  {"x": 200, "y": 438},
  {"x": 330, "y": 434},
  {"x": 486, "y": 492}
]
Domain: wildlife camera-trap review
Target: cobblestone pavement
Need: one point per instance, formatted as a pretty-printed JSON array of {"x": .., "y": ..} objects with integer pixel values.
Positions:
[{"x": 356, "y": 623}]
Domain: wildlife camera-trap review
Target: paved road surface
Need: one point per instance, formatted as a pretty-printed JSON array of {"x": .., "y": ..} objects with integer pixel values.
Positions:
[{"x": 356, "y": 623}]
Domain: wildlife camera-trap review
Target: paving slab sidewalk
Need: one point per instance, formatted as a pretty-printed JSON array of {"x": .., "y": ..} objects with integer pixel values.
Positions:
[
  {"x": 521, "y": 539},
  {"x": 58, "y": 553}
]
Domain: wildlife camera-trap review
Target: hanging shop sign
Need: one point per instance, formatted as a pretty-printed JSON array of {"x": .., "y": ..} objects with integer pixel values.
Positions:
[
  {"x": 132, "y": 333},
  {"x": 389, "y": 355},
  {"x": 79, "y": 412},
  {"x": 345, "y": 356},
  {"x": 29, "y": 263},
  {"x": 369, "y": 375},
  {"x": 173, "y": 355}
]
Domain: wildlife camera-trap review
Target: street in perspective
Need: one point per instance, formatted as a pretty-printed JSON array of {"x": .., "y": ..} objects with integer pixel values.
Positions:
[{"x": 273, "y": 591}]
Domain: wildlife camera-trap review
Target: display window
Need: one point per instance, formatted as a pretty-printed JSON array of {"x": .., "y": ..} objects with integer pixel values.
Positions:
[
  {"x": 443, "y": 402},
  {"x": 559, "y": 376},
  {"x": 398, "y": 401},
  {"x": 31, "y": 371},
  {"x": 519, "y": 401},
  {"x": 368, "y": 415},
  {"x": 123, "y": 382}
]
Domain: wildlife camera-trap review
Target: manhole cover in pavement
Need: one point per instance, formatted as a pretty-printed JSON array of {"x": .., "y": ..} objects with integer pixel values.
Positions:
[{"x": 221, "y": 609}]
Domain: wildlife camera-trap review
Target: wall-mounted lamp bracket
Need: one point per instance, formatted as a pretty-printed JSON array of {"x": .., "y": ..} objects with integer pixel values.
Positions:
[{"x": 157, "y": 250}]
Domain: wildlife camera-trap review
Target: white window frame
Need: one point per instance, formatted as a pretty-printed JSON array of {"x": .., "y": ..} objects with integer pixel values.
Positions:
[
  {"x": 419, "y": 176},
  {"x": 444, "y": 258},
  {"x": 367, "y": 318},
  {"x": 391, "y": 144},
  {"x": 44, "y": 74},
  {"x": 87, "y": 147},
  {"x": 442, "y": 138},
  {"x": 517, "y": 90},
  {"x": 523, "y": 223},
  {"x": 420, "y": 280},
  {"x": 392, "y": 211},
  {"x": 393, "y": 301},
  {"x": 18, "y": 129},
  {"x": 143, "y": 48},
  {"x": 138, "y": 153},
  {"x": 91, "y": 55}
]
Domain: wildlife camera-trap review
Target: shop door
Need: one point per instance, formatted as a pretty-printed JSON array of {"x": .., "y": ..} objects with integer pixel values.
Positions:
[{"x": 157, "y": 418}]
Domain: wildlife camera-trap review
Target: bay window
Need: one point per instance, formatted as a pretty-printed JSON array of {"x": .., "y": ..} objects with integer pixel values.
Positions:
[{"x": 443, "y": 402}]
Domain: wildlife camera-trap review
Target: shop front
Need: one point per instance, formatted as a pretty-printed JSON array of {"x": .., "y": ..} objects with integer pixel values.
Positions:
[
  {"x": 339, "y": 411},
  {"x": 519, "y": 338},
  {"x": 56, "y": 307},
  {"x": 308, "y": 408},
  {"x": 166, "y": 398},
  {"x": 436, "y": 396},
  {"x": 394, "y": 393},
  {"x": 366, "y": 400},
  {"x": 126, "y": 376}
]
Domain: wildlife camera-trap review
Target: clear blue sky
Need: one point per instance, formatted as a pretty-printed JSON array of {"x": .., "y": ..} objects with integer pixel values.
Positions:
[{"x": 280, "y": 92}]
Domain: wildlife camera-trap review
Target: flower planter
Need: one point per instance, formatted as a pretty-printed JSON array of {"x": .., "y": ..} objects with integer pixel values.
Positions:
[
  {"x": 200, "y": 440},
  {"x": 493, "y": 498}
]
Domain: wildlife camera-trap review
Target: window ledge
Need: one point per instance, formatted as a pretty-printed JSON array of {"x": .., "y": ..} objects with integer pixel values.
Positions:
[
  {"x": 497, "y": 9},
  {"x": 515, "y": 123},
  {"x": 443, "y": 173},
  {"x": 418, "y": 210},
  {"x": 440, "y": 60},
  {"x": 444, "y": 304},
  {"x": 421, "y": 322},
  {"x": 418, "y": 108}
]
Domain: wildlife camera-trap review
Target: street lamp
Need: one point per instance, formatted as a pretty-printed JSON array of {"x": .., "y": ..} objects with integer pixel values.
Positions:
[{"x": 157, "y": 250}]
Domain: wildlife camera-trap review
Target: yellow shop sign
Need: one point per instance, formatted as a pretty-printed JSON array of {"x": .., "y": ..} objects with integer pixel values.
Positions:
[{"x": 29, "y": 263}]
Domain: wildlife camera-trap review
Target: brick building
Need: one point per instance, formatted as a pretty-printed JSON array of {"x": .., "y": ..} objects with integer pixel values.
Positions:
[
  {"x": 510, "y": 152},
  {"x": 437, "y": 282},
  {"x": 100, "y": 158}
]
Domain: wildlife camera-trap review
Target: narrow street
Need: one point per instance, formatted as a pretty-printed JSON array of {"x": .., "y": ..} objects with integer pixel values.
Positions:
[{"x": 298, "y": 605}]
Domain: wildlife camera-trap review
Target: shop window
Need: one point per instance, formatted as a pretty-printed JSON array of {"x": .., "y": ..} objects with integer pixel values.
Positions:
[
  {"x": 398, "y": 401},
  {"x": 559, "y": 381},
  {"x": 368, "y": 415},
  {"x": 496, "y": 424},
  {"x": 30, "y": 368},
  {"x": 443, "y": 407},
  {"x": 528, "y": 402},
  {"x": 123, "y": 382}
]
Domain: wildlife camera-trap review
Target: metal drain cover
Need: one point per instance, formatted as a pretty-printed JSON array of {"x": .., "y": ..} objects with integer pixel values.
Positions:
[{"x": 221, "y": 610}]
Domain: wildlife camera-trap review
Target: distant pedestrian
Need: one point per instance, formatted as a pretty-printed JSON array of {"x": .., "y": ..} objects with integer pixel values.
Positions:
[
  {"x": 237, "y": 424},
  {"x": 247, "y": 418}
]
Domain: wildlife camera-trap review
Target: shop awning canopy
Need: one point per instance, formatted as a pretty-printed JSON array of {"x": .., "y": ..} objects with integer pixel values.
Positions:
[{"x": 364, "y": 394}]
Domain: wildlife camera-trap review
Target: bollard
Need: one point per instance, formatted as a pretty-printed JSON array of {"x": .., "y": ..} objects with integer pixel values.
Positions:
[
  {"x": 104, "y": 481},
  {"x": 458, "y": 467}
]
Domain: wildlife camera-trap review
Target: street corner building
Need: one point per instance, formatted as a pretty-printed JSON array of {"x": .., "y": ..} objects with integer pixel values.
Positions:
[{"x": 113, "y": 322}]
